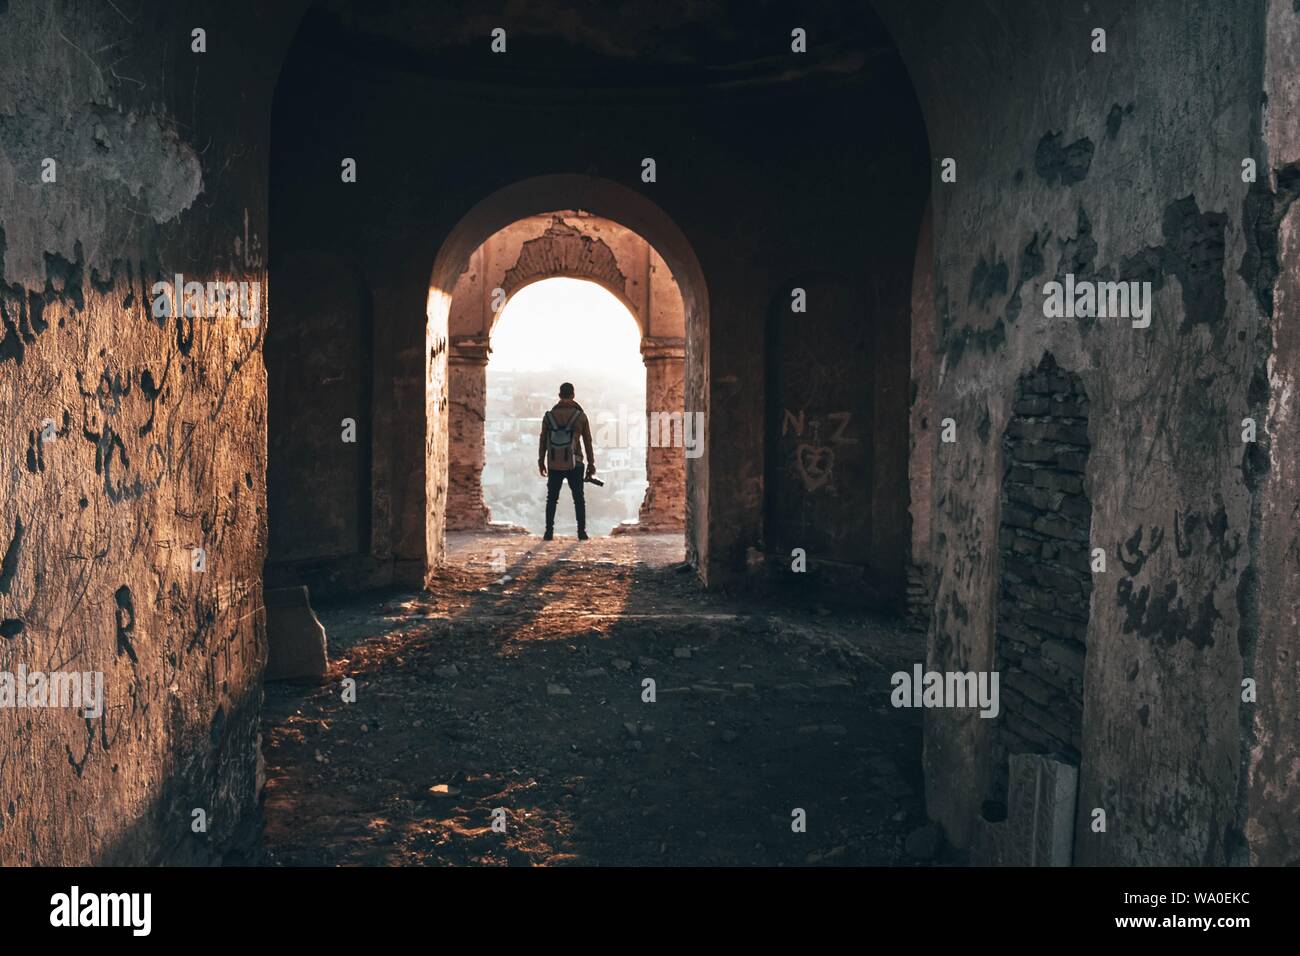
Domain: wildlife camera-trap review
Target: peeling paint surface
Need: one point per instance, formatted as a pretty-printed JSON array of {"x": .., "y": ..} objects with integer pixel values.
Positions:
[{"x": 128, "y": 441}]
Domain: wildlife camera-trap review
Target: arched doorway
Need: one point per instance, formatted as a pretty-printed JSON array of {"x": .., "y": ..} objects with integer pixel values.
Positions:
[
  {"x": 622, "y": 208},
  {"x": 571, "y": 244},
  {"x": 447, "y": 196}
]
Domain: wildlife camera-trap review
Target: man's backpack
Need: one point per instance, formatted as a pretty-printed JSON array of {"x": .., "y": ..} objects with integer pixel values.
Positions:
[{"x": 562, "y": 442}]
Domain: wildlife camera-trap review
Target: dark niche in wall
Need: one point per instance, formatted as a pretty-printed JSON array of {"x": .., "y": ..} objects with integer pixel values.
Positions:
[{"x": 1046, "y": 580}]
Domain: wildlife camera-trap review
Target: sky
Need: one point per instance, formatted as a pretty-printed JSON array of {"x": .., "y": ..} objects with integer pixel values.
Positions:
[{"x": 569, "y": 325}]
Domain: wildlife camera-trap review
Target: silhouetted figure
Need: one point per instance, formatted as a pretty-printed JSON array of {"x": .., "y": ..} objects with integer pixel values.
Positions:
[{"x": 565, "y": 430}]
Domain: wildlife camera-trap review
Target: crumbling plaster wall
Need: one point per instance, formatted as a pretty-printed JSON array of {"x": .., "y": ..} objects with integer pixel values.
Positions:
[
  {"x": 1270, "y": 795},
  {"x": 156, "y": 436},
  {"x": 1123, "y": 165}
]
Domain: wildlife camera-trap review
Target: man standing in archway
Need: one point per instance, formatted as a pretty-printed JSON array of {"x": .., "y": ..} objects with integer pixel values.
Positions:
[{"x": 565, "y": 430}]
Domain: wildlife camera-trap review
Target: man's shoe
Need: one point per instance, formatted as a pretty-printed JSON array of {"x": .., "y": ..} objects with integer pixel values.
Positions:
[
  {"x": 549, "y": 536},
  {"x": 582, "y": 536}
]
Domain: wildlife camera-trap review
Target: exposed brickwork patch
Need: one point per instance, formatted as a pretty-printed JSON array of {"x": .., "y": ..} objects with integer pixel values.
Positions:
[
  {"x": 1046, "y": 579},
  {"x": 565, "y": 251}
]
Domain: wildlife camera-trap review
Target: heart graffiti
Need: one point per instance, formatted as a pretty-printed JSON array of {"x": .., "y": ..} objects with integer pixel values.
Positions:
[{"x": 814, "y": 463}]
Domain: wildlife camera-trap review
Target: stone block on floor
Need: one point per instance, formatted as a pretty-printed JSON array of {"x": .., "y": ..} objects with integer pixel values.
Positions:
[
  {"x": 1039, "y": 828},
  {"x": 295, "y": 636}
]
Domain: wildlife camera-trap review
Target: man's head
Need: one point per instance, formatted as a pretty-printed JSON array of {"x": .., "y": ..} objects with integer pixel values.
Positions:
[{"x": 566, "y": 390}]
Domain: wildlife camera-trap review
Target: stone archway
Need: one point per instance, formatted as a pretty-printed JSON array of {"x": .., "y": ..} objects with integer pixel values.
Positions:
[
  {"x": 568, "y": 244},
  {"x": 530, "y": 197}
]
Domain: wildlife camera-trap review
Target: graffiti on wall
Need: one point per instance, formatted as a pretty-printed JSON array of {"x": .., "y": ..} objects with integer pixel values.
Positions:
[{"x": 814, "y": 457}]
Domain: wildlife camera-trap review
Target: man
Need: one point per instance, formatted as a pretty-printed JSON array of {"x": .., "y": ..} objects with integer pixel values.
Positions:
[{"x": 565, "y": 430}]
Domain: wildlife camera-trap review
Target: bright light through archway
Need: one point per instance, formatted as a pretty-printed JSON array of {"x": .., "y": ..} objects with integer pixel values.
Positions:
[{"x": 553, "y": 331}]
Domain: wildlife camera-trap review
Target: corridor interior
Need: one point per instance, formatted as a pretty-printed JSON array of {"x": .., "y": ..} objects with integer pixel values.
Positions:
[{"x": 253, "y": 258}]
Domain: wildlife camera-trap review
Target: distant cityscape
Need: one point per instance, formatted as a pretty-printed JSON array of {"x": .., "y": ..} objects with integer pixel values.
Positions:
[{"x": 512, "y": 489}]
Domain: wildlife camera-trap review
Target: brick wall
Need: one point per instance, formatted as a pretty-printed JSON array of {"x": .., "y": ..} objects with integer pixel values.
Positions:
[{"x": 1046, "y": 580}]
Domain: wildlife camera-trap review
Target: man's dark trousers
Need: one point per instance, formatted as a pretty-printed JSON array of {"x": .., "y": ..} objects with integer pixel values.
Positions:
[{"x": 554, "y": 481}]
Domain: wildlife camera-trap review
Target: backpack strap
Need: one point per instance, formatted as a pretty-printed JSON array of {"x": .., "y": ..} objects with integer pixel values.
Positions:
[{"x": 571, "y": 424}]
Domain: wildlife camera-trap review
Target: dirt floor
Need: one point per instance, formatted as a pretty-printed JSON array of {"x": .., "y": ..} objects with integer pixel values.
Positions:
[{"x": 517, "y": 686}]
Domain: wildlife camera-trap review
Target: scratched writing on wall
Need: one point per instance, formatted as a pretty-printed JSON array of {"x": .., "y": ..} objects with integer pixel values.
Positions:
[{"x": 816, "y": 440}]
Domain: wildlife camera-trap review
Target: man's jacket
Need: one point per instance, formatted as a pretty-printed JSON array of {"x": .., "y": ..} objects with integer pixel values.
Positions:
[{"x": 567, "y": 408}]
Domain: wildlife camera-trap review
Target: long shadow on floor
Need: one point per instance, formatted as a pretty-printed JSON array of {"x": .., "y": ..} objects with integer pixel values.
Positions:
[{"x": 524, "y": 692}]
